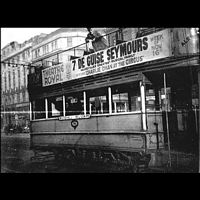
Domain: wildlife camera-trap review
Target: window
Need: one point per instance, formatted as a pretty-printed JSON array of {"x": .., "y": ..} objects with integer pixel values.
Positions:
[
  {"x": 47, "y": 48},
  {"x": 26, "y": 96},
  {"x": 11, "y": 99},
  {"x": 44, "y": 49},
  {"x": 150, "y": 98},
  {"x": 55, "y": 106},
  {"x": 9, "y": 80},
  {"x": 18, "y": 77},
  {"x": 55, "y": 61},
  {"x": 126, "y": 98},
  {"x": 15, "y": 97},
  {"x": 121, "y": 103},
  {"x": 114, "y": 42},
  {"x": 24, "y": 71},
  {"x": 97, "y": 101},
  {"x": 74, "y": 104},
  {"x": 5, "y": 82},
  {"x": 18, "y": 97},
  {"x": 54, "y": 45},
  {"x": 28, "y": 53},
  {"x": 36, "y": 54},
  {"x": 69, "y": 42},
  {"x": 38, "y": 109},
  {"x": 165, "y": 100},
  {"x": 21, "y": 97},
  {"x": 47, "y": 63},
  {"x": 23, "y": 56}
]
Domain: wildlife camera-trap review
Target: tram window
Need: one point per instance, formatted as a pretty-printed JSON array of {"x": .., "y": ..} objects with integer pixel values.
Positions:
[
  {"x": 74, "y": 104},
  {"x": 120, "y": 102},
  {"x": 55, "y": 106},
  {"x": 165, "y": 101},
  {"x": 39, "y": 109},
  {"x": 126, "y": 98},
  {"x": 150, "y": 98},
  {"x": 97, "y": 102}
]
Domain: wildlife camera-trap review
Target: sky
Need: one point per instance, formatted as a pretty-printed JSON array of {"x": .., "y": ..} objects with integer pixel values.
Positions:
[{"x": 21, "y": 34}]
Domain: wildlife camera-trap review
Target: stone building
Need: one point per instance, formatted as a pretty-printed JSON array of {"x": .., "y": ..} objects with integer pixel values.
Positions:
[{"x": 15, "y": 59}]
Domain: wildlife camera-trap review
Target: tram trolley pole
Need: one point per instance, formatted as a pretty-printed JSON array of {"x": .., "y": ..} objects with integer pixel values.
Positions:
[{"x": 167, "y": 120}]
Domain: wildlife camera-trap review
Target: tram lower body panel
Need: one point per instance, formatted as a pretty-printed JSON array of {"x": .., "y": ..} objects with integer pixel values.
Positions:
[
  {"x": 117, "y": 131},
  {"x": 120, "y": 133}
]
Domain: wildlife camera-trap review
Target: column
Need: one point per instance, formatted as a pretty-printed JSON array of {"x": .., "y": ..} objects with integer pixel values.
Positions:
[
  {"x": 90, "y": 108},
  {"x": 115, "y": 105},
  {"x": 143, "y": 106},
  {"x": 30, "y": 111},
  {"x": 101, "y": 107},
  {"x": 125, "y": 107},
  {"x": 84, "y": 99},
  {"x": 110, "y": 100},
  {"x": 64, "y": 109},
  {"x": 46, "y": 108}
]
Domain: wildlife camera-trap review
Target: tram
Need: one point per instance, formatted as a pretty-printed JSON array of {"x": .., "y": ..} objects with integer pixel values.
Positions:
[{"x": 112, "y": 104}]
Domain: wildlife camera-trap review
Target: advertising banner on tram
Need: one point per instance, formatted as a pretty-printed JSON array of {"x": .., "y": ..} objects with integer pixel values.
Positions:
[{"x": 139, "y": 50}]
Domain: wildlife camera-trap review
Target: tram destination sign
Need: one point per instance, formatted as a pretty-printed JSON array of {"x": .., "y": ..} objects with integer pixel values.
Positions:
[{"x": 148, "y": 48}]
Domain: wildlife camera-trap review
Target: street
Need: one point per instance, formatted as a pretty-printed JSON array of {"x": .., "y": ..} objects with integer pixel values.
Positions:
[{"x": 16, "y": 157}]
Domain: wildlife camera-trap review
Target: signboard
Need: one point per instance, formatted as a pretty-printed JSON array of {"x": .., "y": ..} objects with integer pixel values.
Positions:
[
  {"x": 53, "y": 75},
  {"x": 140, "y": 50}
]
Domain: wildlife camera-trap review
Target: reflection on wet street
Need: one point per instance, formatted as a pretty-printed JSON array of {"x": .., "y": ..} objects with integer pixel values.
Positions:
[{"x": 16, "y": 157}]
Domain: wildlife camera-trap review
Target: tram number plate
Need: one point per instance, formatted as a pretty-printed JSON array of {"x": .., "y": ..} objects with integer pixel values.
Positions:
[{"x": 74, "y": 117}]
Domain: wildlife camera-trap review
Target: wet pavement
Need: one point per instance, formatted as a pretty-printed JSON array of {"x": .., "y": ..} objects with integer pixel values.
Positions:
[{"x": 16, "y": 157}]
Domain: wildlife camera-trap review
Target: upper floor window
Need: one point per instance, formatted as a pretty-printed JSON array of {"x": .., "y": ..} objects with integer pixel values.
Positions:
[
  {"x": 54, "y": 45},
  {"x": 69, "y": 42},
  {"x": 45, "y": 49},
  {"x": 23, "y": 56}
]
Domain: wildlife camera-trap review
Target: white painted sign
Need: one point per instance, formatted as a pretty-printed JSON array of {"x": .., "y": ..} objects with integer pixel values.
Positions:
[
  {"x": 140, "y": 50},
  {"x": 53, "y": 75}
]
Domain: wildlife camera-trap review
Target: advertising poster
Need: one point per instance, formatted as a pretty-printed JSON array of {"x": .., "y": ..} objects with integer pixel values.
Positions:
[{"x": 133, "y": 52}]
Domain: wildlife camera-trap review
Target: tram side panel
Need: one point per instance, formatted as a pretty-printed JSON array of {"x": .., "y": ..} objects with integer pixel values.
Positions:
[{"x": 120, "y": 131}]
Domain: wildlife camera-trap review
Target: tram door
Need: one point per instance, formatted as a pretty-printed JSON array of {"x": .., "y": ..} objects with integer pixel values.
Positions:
[
  {"x": 181, "y": 105},
  {"x": 182, "y": 120}
]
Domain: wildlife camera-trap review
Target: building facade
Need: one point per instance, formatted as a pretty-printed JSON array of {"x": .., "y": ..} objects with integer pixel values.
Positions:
[
  {"x": 14, "y": 97},
  {"x": 15, "y": 59}
]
